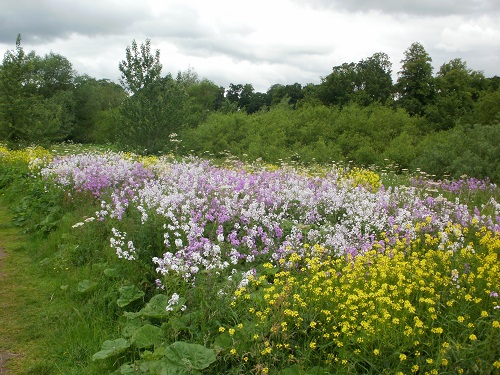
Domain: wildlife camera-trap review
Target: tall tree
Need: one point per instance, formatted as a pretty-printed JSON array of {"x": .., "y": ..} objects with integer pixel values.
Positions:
[
  {"x": 140, "y": 67},
  {"x": 374, "y": 78},
  {"x": 457, "y": 89},
  {"x": 151, "y": 115},
  {"x": 278, "y": 92},
  {"x": 155, "y": 108},
  {"x": 415, "y": 85},
  {"x": 95, "y": 102},
  {"x": 339, "y": 86},
  {"x": 365, "y": 82},
  {"x": 26, "y": 115}
]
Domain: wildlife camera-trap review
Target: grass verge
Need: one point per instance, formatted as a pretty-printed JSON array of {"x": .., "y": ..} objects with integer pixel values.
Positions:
[{"x": 45, "y": 323}]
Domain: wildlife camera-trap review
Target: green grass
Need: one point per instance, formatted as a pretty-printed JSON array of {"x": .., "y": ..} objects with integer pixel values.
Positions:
[{"x": 45, "y": 321}]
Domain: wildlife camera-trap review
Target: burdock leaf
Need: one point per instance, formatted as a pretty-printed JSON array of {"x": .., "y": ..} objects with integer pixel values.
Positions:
[
  {"x": 111, "y": 348},
  {"x": 128, "y": 294},
  {"x": 147, "y": 336}
]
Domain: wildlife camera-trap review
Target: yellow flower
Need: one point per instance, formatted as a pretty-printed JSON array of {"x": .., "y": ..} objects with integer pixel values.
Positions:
[
  {"x": 437, "y": 330},
  {"x": 312, "y": 345},
  {"x": 233, "y": 351},
  {"x": 376, "y": 352},
  {"x": 495, "y": 324},
  {"x": 402, "y": 357},
  {"x": 496, "y": 364},
  {"x": 472, "y": 337},
  {"x": 414, "y": 368},
  {"x": 231, "y": 331},
  {"x": 444, "y": 362},
  {"x": 221, "y": 329}
]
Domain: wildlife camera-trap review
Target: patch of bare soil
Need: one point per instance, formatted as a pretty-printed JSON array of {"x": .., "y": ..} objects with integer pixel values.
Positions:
[{"x": 4, "y": 357}]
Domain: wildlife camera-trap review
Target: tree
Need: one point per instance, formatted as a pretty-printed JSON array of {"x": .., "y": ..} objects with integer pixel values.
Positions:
[
  {"x": 26, "y": 115},
  {"x": 278, "y": 92},
  {"x": 151, "y": 115},
  {"x": 457, "y": 89},
  {"x": 246, "y": 98},
  {"x": 54, "y": 73},
  {"x": 155, "y": 108},
  {"x": 415, "y": 85},
  {"x": 374, "y": 79},
  {"x": 339, "y": 86},
  {"x": 364, "y": 83},
  {"x": 95, "y": 103},
  {"x": 140, "y": 67}
]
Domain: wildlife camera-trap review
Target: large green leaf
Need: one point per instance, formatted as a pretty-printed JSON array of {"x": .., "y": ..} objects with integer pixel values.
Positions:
[
  {"x": 111, "y": 348},
  {"x": 112, "y": 273},
  {"x": 128, "y": 294},
  {"x": 155, "y": 308},
  {"x": 147, "y": 336},
  {"x": 85, "y": 286},
  {"x": 184, "y": 357},
  {"x": 131, "y": 327}
]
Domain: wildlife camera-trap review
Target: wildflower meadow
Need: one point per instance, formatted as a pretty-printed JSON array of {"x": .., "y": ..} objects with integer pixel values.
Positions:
[{"x": 213, "y": 267}]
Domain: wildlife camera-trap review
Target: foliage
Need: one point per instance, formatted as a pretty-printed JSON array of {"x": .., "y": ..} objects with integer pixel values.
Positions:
[
  {"x": 140, "y": 67},
  {"x": 457, "y": 88},
  {"x": 415, "y": 84},
  {"x": 96, "y": 104},
  {"x": 366, "y": 82},
  {"x": 308, "y": 133},
  {"x": 30, "y": 109},
  {"x": 150, "y": 116},
  {"x": 463, "y": 150}
]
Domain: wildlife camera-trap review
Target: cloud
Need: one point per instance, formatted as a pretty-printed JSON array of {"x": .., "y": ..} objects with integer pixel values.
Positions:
[
  {"x": 412, "y": 7},
  {"x": 41, "y": 21},
  {"x": 261, "y": 42},
  {"x": 470, "y": 35}
]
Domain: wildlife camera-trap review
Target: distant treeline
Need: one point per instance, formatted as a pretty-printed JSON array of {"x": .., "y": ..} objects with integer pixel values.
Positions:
[{"x": 445, "y": 123}]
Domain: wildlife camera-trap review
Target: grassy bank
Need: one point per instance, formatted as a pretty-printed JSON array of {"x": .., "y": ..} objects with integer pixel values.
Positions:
[{"x": 46, "y": 323}]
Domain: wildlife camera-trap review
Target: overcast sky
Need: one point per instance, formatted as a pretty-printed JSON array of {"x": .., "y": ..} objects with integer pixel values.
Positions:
[{"x": 261, "y": 42}]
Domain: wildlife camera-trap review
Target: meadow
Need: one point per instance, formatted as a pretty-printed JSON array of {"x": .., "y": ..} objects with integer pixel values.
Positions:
[{"x": 194, "y": 266}]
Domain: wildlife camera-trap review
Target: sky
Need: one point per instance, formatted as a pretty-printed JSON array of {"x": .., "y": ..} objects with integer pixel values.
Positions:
[{"x": 261, "y": 42}]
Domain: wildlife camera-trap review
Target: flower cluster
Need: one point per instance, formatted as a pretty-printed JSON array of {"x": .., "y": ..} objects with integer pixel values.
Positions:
[
  {"x": 397, "y": 304},
  {"x": 215, "y": 218},
  {"x": 406, "y": 276}
]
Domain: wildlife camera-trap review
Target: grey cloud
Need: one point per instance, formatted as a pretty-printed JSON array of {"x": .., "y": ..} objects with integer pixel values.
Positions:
[
  {"x": 411, "y": 7},
  {"x": 241, "y": 49},
  {"x": 40, "y": 21}
]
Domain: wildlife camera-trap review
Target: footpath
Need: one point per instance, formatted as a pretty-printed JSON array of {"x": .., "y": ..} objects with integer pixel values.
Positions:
[{"x": 9, "y": 324}]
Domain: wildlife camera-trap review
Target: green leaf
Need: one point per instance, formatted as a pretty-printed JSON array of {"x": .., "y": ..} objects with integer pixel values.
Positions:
[
  {"x": 86, "y": 286},
  {"x": 147, "y": 336},
  {"x": 293, "y": 370},
  {"x": 155, "y": 308},
  {"x": 183, "y": 357},
  {"x": 131, "y": 327},
  {"x": 111, "y": 348},
  {"x": 223, "y": 341},
  {"x": 112, "y": 273},
  {"x": 128, "y": 294}
]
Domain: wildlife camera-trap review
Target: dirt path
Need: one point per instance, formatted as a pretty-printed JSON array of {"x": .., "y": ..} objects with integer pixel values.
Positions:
[{"x": 4, "y": 356}]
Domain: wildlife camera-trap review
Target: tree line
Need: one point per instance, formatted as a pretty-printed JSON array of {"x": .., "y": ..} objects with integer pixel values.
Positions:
[{"x": 443, "y": 122}]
